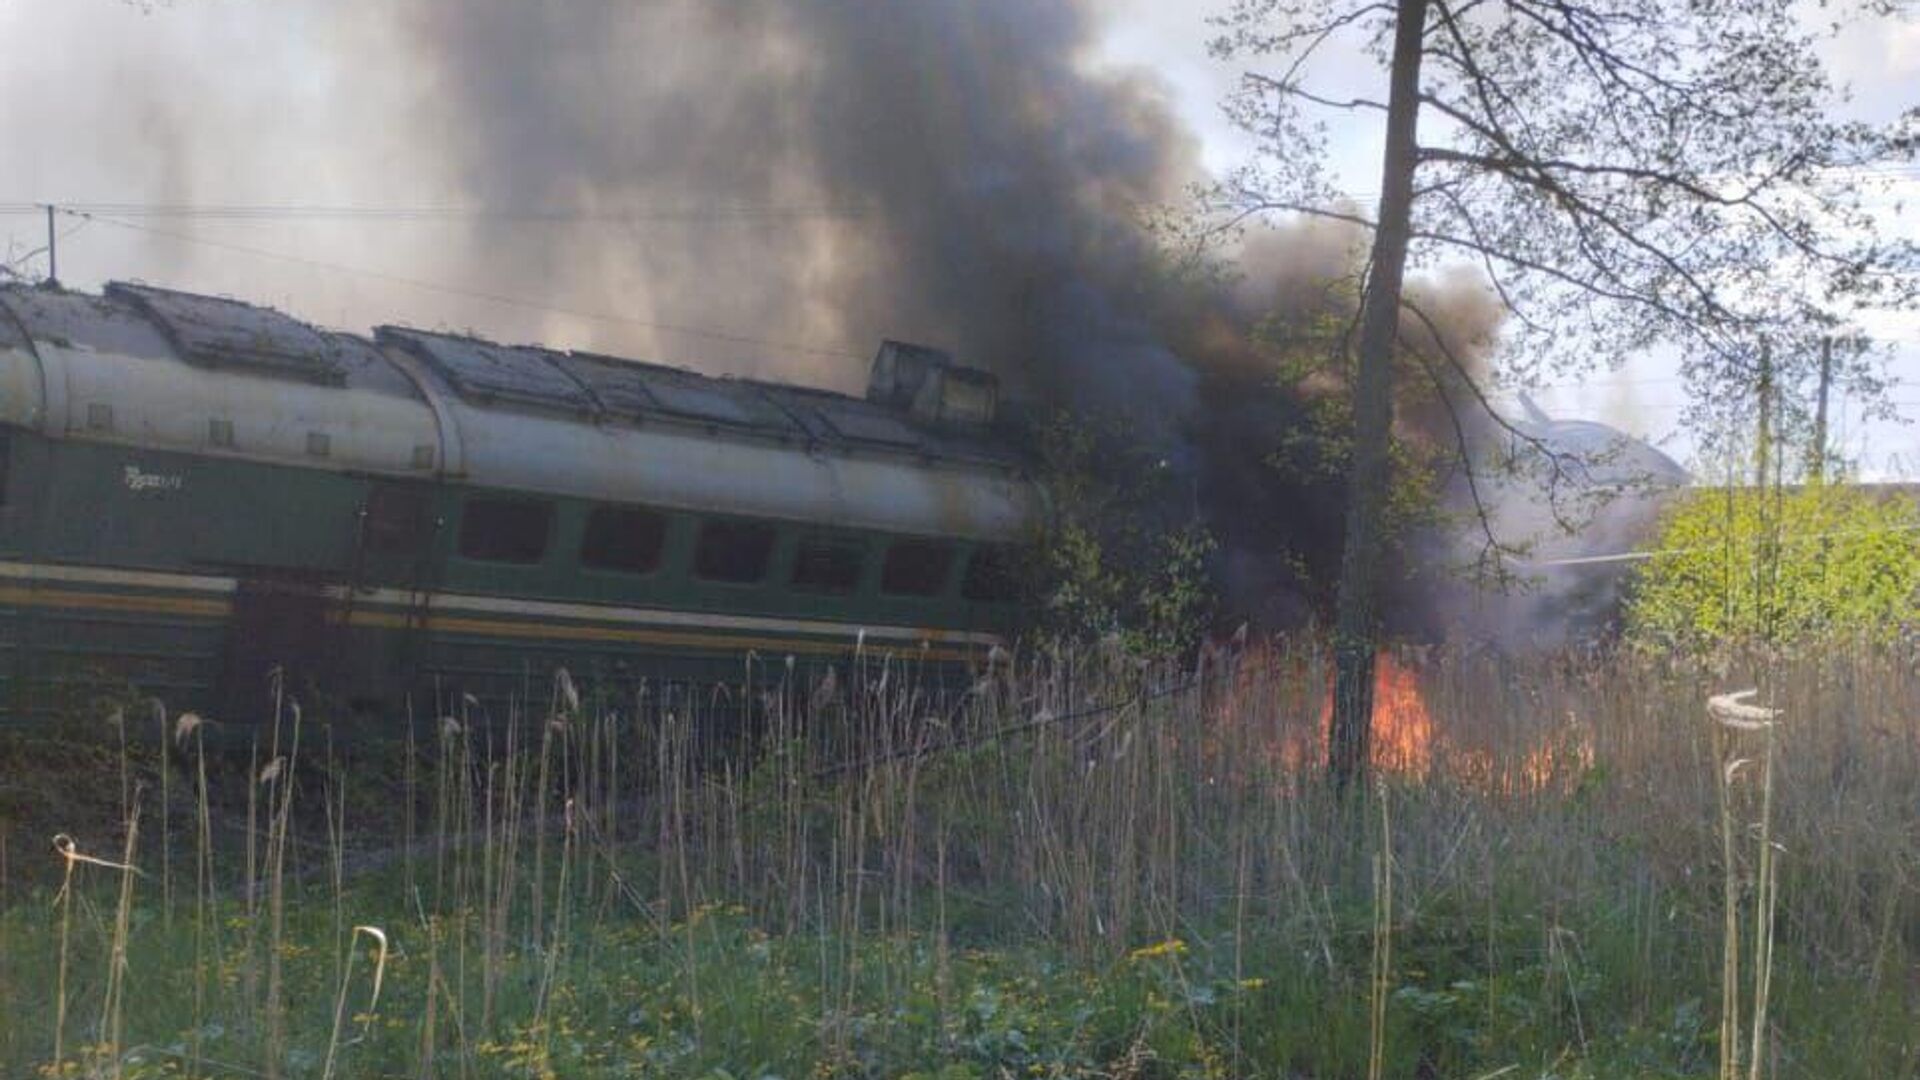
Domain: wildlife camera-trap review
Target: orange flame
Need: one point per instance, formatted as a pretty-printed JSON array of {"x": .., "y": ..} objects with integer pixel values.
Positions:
[
  {"x": 1405, "y": 738},
  {"x": 1401, "y": 739},
  {"x": 1402, "y": 727}
]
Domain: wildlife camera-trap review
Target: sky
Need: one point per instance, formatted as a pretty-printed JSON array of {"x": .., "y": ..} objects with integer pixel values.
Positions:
[
  {"x": 168, "y": 88},
  {"x": 1879, "y": 61}
]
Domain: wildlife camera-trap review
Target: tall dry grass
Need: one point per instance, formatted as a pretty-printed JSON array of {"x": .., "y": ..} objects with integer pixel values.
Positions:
[{"x": 1567, "y": 861}]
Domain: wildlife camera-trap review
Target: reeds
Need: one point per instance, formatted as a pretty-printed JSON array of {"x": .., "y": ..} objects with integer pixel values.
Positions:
[
  {"x": 1734, "y": 717},
  {"x": 1079, "y": 806},
  {"x": 1380, "y": 982}
]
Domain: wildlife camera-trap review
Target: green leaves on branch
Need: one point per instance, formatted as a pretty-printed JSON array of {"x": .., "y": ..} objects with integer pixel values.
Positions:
[{"x": 1120, "y": 560}]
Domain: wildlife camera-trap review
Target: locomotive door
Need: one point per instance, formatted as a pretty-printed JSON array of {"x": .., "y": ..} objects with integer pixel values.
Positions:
[
  {"x": 283, "y": 625},
  {"x": 392, "y": 584}
]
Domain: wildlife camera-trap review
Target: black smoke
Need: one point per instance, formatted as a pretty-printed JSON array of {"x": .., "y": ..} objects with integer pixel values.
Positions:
[
  {"x": 959, "y": 172},
  {"x": 943, "y": 171},
  {"x": 805, "y": 177}
]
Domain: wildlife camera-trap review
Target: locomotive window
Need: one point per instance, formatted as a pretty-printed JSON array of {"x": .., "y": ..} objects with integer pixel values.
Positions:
[
  {"x": 505, "y": 530},
  {"x": 825, "y": 564},
  {"x": 733, "y": 551},
  {"x": 397, "y": 521},
  {"x": 990, "y": 576},
  {"x": 6, "y": 464},
  {"x": 628, "y": 538},
  {"x": 916, "y": 568}
]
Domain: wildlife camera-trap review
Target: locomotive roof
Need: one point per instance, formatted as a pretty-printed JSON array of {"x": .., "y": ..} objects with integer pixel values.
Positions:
[
  {"x": 415, "y": 401},
  {"x": 219, "y": 332},
  {"x": 1607, "y": 456}
]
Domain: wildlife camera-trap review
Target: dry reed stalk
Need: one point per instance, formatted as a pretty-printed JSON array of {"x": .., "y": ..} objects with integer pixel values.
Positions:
[
  {"x": 430, "y": 1015},
  {"x": 333, "y": 804},
  {"x": 64, "y": 900},
  {"x": 250, "y": 882},
  {"x": 409, "y": 792},
  {"x": 1382, "y": 975},
  {"x": 72, "y": 857},
  {"x": 166, "y": 830},
  {"x": 1731, "y": 716},
  {"x": 113, "y": 1005},
  {"x": 279, "y": 772},
  {"x": 379, "y": 937},
  {"x": 189, "y": 724},
  {"x": 493, "y": 929},
  {"x": 1125, "y": 825}
]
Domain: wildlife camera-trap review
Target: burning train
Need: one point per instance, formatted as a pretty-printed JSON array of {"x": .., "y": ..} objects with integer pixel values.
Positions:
[{"x": 199, "y": 494}]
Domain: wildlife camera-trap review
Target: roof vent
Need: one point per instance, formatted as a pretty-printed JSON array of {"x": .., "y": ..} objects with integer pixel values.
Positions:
[
  {"x": 214, "y": 332},
  {"x": 484, "y": 372},
  {"x": 925, "y": 383}
]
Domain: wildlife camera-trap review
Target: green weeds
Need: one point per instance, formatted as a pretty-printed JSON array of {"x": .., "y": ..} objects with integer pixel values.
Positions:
[{"x": 1156, "y": 889}]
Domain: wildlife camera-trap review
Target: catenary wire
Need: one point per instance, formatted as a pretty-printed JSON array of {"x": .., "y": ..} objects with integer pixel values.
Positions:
[
  {"x": 473, "y": 294},
  {"x": 289, "y": 212}
]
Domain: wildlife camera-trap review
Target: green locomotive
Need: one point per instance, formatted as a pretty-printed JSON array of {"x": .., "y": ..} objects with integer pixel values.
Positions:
[{"x": 197, "y": 493}]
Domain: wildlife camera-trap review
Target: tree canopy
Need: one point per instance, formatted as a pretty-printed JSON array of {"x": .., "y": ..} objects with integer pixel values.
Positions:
[{"x": 1623, "y": 172}]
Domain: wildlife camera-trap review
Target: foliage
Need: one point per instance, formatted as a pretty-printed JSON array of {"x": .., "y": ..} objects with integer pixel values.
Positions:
[
  {"x": 1118, "y": 560},
  {"x": 759, "y": 1006},
  {"x": 1780, "y": 566},
  {"x": 1158, "y": 893},
  {"x": 1311, "y": 354},
  {"x": 1622, "y": 171}
]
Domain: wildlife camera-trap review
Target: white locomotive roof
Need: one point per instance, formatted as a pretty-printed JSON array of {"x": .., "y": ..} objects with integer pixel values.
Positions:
[
  {"x": 108, "y": 369},
  {"x": 1606, "y": 456},
  {"x": 160, "y": 369}
]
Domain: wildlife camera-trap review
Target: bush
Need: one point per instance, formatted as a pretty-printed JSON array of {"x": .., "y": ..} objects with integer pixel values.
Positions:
[
  {"x": 1780, "y": 567},
  {"x": 1115, "y": 563}
]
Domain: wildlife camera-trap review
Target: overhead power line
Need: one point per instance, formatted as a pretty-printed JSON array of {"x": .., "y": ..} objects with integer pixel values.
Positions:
[
  {"x": 471, "y": 294},
  {"x": 293, "y": 212},
  {"x": 687, "y": 212},
  {"x": 1655, "y": 553}
]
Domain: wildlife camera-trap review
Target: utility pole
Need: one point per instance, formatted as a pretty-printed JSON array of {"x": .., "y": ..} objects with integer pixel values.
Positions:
[
  {"x": 1817, "y": 453},
  {"x": 53, "y": 252},
  {"x": 1763, "y": 563},
  {"x": 1766, "y": 417}
]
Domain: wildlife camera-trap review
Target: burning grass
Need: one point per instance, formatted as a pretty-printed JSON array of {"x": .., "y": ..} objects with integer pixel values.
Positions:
[{"x": 1102, "y": 870}]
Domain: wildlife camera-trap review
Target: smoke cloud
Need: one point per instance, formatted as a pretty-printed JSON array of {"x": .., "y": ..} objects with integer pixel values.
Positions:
[
  {"x": 979, "y": 185},
  {"x": 945, "y": 172},
  {"x": 805, "y": 177}
]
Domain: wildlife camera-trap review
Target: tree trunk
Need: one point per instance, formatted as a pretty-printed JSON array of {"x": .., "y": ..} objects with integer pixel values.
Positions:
[{"x": 1355, "y": 627}]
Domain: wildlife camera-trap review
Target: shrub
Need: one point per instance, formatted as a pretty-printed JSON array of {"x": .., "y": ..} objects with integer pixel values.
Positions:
[{"x": 1781, "y": 566}]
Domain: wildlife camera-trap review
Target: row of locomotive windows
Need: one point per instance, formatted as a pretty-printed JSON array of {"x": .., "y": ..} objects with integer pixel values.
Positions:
[{"x": 633, "y": 540}]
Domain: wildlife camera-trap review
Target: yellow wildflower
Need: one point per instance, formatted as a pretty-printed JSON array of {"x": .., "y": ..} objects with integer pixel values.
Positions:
[{"x": 1169, "y": 947}]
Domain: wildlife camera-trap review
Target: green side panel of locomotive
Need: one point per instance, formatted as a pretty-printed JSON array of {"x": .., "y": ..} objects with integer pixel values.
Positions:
[
  {"x": 199, "y": 580},
  {"x": 126, "y": 568}
]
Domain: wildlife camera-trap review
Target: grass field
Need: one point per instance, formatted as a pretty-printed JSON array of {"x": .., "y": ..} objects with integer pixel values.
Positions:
[{"x": 1088, "y": 868}]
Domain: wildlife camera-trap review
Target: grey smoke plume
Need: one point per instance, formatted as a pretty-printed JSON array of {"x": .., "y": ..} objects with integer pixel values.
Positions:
[
  {"x": 962, "y": 175},
  {"x": 942, "y": 171}
]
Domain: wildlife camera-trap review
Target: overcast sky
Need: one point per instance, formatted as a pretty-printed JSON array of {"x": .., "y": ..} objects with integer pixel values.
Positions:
[{"x": 234, "y": 102}]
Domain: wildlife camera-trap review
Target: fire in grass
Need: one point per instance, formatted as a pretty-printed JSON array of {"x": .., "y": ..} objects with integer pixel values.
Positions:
[{"x": 1278, "y": 711}]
